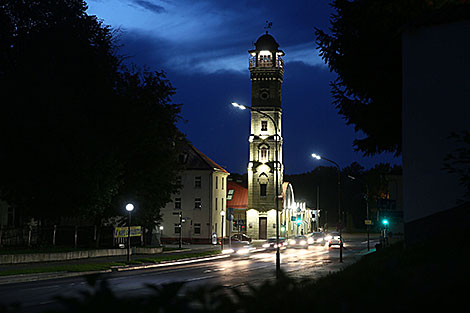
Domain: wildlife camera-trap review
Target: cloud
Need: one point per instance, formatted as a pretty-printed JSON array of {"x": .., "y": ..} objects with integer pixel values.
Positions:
[{"x": 155, "y": 8}]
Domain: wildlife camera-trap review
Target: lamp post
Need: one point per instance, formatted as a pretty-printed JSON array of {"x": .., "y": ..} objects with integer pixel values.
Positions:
[
  {"x": 129, "y": 208},
  {"x": 316, "y": 156},
  {"x": 367, "y": 208},
  {"x": 276, "y": 162},
  {"x": 222, "y": 214}
]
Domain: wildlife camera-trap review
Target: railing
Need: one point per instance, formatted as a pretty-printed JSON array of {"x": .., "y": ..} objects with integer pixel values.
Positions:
[{"x": 266, "y": 63}]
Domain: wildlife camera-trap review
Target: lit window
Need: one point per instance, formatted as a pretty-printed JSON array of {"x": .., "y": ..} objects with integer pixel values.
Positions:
[
  {"x": 230, "y": 195},
  {"x": 263, "y": 155},
  {"x": 264, "y": 126}
]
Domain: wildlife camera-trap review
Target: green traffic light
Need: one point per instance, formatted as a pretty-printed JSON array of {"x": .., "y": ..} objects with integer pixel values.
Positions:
[
  {"x": 385, "y": 222},
  {"x": 283, "y": 228}
]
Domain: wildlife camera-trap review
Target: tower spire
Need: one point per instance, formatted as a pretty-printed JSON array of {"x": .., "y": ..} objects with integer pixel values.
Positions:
[{"x": 268, "y": 25}]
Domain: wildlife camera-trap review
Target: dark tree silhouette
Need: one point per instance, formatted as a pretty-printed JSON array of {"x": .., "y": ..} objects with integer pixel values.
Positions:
[
  {"x": 364, "y": 48},
  {"x": 80, "y": 132}
]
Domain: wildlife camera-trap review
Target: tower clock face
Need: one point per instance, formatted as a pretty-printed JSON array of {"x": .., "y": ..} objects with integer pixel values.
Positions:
[{"x": 264, "y": 94}]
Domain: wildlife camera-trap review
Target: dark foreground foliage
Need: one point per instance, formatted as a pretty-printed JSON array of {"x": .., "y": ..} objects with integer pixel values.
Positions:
[{"x": 426, "y": 278}]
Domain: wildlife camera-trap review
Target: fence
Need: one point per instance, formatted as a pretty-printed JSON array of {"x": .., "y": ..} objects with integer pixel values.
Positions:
[{"x": 55, "y": 235}]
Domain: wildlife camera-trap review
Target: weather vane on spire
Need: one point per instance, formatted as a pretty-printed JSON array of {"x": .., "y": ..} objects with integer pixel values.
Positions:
[{"x": 268, "y": 26}]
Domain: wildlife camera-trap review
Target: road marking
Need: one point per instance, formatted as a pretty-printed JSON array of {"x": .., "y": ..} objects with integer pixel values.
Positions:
[{"x": 198, "y": 278}]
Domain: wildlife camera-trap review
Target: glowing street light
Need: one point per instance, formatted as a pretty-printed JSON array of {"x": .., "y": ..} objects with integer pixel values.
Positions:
[
  {"x": 316, "y": 156},
  {"x": 240, "y": 106},
  {"x": 129, "y": 208}
]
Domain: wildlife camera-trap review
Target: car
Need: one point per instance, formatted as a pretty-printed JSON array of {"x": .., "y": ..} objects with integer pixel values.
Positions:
[
  {"x": 316, "y": 238},
  {"x": 271, "y": 243},
  {"x": 241, "y": 237},
  {"x": 298, "y": 242},
  {"x": 333, "y": 239},
  {"x": 238, "y": 248}
]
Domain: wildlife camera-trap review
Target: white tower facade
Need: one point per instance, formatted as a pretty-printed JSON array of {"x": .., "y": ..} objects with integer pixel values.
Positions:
[{"x": 266, "y": 72}]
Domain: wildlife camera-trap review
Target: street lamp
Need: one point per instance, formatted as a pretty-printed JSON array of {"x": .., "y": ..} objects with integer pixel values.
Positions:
[
  {"x": 276, "y": 162},
  {"x": 129, "y": 208},
  {"x": 367, "y": 208},
  {"x": 340, "y": 226},
  {"x": 222, "y": 214}
]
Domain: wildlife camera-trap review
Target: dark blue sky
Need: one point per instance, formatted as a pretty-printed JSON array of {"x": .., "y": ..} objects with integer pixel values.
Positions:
[{"x": 202, "y": 46}]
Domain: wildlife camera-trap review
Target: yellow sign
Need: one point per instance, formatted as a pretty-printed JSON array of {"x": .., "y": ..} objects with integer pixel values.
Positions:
[
  {"x": 368, "y": 222},
  {"x": 120, "y": 232}
]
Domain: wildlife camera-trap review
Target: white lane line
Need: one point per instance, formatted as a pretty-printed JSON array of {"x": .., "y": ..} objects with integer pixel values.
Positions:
[
  {"x": 199, "y": 278},
  {"x": 43, "y": 287}
]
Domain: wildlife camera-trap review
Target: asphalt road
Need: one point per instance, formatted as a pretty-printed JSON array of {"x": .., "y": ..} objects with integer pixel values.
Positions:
[{"x": 229, "y": 271}]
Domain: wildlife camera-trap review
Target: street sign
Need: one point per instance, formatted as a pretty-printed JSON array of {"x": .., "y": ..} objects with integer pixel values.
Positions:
[
  {"x": 368, "y": 222},
  {"x": 293, "y": 218},
  {"x": 120, "y": 232}
]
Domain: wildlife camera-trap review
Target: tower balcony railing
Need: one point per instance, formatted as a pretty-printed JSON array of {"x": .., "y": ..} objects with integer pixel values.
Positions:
[{"x": 266, "y": 63}]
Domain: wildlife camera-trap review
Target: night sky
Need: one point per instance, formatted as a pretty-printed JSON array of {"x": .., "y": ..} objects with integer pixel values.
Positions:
[{"x": 202, "y": 46}]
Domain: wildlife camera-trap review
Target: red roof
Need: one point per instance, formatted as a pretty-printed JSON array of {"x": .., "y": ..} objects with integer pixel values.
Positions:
[{"x": 239, "y": 198}]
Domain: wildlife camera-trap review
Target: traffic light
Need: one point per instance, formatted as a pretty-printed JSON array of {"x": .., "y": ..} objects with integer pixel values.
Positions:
[
  {"x": 385, "y": 222},
  {"x": 298, "y": 220},
  {"x": 283, "y": 228}
]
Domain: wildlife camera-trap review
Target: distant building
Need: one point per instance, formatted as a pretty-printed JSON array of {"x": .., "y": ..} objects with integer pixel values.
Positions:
[
  {"x": 436, "y": 95},
  {"x": 237, "y": 205},
  {"x": 200, "y": 200}
]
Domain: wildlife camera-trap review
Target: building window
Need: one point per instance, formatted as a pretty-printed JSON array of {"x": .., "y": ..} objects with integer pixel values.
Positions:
[
  {"x": 263, "y": 154},
  {"x": 216, "y": 202},
  {"x": 197, "y": 182},
  {"x": 262, "y": 190},
  {"x": 177, "y": 203},
  {"x": 223, "y": 181},
  {"x": 197, "y": 203},
  {"x": 264, "y": 126},
  {"x": 197, "y": 228},
  {"x": 230, "y": 194},
  {"x": 216, "y": 182},
  {"x": 177, "y": 229}
]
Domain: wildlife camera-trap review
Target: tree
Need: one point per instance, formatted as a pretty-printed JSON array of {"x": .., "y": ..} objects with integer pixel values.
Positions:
[
  {"x": 364, "y": 49},
  {"x": 80, "y": 132}
]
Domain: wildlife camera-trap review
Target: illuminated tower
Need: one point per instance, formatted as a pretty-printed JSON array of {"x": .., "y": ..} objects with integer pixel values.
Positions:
[{"x": 266, "y": 72}]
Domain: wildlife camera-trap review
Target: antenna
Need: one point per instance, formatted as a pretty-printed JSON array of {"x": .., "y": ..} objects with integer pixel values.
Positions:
[{"x": 268, "y": 26}]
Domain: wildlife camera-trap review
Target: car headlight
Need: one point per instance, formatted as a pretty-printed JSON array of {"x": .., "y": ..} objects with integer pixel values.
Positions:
[
  {"x": 302, "y": 242},
  {"x": 243, "y": 251},
  {"x": 310, "y": 240},
  {"x": 320, "y": 240},
  {"x": 292, "y": 242},
  {"x": 328, "y": 237},
  {"x": 226, "y": 251},
  {"x": 266, "y": 245}
]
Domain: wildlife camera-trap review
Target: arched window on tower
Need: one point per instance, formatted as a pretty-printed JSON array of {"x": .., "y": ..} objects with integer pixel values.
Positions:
[{"x": 264, "y": 153}]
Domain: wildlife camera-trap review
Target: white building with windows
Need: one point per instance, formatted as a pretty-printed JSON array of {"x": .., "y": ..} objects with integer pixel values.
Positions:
[{"x": 201, "y": 200}]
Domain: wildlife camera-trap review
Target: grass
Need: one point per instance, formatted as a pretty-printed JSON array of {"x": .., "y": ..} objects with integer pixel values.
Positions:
[{"x": 103, "y": 266}]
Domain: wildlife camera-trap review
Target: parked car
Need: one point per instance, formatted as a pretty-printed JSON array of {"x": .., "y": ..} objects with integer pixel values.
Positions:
[
  {"x": 316, "y": 238},
  {"x": 298, "y": 242},
  {"x": 271, "y": 243},
  {"x": 241, "y": 237},
  {"x": 333, "y": 239}
]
